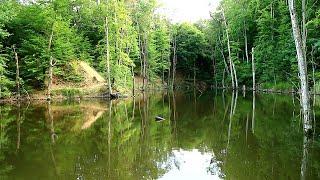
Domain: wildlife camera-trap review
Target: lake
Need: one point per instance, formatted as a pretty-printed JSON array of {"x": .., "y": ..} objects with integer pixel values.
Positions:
[{"x": 211, "y": 135}]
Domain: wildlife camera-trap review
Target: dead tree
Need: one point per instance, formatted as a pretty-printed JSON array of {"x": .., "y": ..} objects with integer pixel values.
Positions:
[
  {"x": 302, "y": 65},
  {"x": 106, "y": 30},
  {"x": 17, "y": 72},
  {"x": 231, "y": 64},
  {"x": 174, "y": 61},
  {"x": 51, "y": 65},
  {"x": 253, "y": 72}
]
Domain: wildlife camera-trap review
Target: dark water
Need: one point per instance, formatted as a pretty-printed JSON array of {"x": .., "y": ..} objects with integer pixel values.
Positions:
[{"x": 206, "y": 136}]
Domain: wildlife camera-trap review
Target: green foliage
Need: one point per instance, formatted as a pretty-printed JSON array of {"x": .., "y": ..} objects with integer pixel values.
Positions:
[
  {"x": 192, "y": 49},
  {"x": 282, "y": 86},
  {"x": 7, "y": 13},
  {"x": 266, "y": 27},
  {"x": 137, "y": 33},
  {"x": 68, "y": 92},
  {"x": 159, "y": 48}
]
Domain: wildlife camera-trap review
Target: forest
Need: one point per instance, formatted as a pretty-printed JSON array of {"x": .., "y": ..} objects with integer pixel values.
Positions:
[
  {"x": 202, "y": 97},
  {"x": 242, "y": 42}
]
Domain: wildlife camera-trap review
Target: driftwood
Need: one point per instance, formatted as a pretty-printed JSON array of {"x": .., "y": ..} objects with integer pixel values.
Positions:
[{"x": 159, "y": 118}]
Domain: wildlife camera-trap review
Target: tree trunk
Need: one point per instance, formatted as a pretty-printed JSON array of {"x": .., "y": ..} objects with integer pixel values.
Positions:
[
  {"x": 194, "y": 74},
  {"x": 233, "y": 76},
  {"x": 17, "y": 72},
  {"x": 304, "y": 29},
  {"x": 174, "y": 61},
  {"x": 223, "y": 76},
  {"x": 169, "y": 74},
  {"x": 140, "y": 54},
  {"x": 302, "y": 67},
  {"x": 50, "y": 71},
  {"x": 106, "y": 29},
  {"x": 246, "y": 43},
  {"x": 224, "y": 58},
  {"x": 214, "y": 67},
  {"x": 313, "y": 73},
  {"x": 133, "y": 82},
  {"x": 253, "y": 72},
  {"x": 50, "y": 78},
  {"x": 144, "y": 72},
  {"x": 162, "y": 78},
  {"x": 144, "y": 45}
]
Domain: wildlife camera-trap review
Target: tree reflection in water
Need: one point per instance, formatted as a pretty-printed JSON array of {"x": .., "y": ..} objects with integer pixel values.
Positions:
[{"x": 225, "y": 136}]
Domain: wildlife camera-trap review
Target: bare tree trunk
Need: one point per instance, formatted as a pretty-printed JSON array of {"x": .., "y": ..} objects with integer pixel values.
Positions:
[
  {"x": 223, "y": 76},
  {"x": 214, "y": 69},
  {"x": 302, "y": 67},
  {"x": 133, "y": 108},
  {"x": 224, "y": 58},
  {"x": 313, "y": 74},
  {"x": 174, "y": 60},
  {"x": 140, "y": 54},
  {"x": 233, "y": 76},
  {"x": 194, "y": 74},
  {"x": 304, "y": 29},
  {"x": 115, "y": 19},
  {"x": 246, "y": 42},
  {"x": 169, "y": 73},
  {"x": 17, "y": 72},
  {"x": 145, "y": 78},
  {"x": 106, "y": 29},
  {"x": 162, "y": 76},
  {"x": 51, "y": 65},
  {"x": 253, "y": 72},
  {"x": 133, "y": 81}
]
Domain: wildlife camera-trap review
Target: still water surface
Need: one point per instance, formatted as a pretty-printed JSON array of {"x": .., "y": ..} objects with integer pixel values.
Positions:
[{"x": 213, "y": 135}]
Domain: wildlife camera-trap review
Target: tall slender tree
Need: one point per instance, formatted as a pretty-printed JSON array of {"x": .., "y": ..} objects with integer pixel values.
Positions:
[{"x": 302, "y": 65}]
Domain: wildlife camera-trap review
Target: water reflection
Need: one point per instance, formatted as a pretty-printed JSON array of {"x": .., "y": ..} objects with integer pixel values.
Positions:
[
  {"x": 191, "y": 165},
  {"x": 214, "y": 135}
]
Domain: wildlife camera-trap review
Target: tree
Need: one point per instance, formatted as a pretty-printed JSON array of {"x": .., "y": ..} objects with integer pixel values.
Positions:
[
  {"x": 108, "y": 56},
  {"x": 192, "y": 49},
  {"x": 231, "y": 64},
  {"x": 302, "y": 64},
  {"x": 7, "y": 13}
]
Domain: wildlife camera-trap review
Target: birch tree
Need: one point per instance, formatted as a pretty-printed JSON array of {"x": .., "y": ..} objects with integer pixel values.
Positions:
[
  {"x": 231, "y": 64},
  {"x": 302, "y": 65}
]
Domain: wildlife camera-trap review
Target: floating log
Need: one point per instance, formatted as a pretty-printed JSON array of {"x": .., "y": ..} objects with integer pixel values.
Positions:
[{"x": 159, "y": 118}]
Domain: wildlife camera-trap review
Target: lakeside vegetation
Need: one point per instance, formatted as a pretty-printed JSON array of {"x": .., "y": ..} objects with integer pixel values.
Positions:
[
  {"x": 70, "y": 49},
  {"x": 122, "y": 40}
]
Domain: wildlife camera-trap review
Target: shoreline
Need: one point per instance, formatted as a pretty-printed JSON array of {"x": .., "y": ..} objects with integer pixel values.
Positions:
[{"x": 60, "y": 97}]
